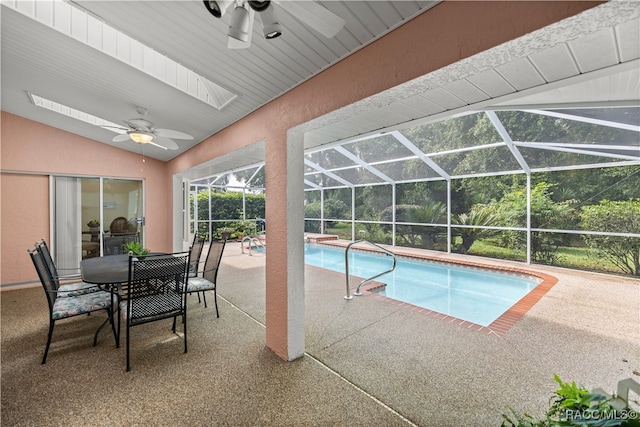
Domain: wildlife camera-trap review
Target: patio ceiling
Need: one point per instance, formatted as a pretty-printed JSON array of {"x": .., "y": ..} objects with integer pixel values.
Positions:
[
  {"x": 582, "y": 70},
  {"x": 94, "y": 61}
]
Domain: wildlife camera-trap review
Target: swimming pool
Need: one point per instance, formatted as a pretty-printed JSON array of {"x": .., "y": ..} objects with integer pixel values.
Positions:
[{"x": 472, "y": 294}]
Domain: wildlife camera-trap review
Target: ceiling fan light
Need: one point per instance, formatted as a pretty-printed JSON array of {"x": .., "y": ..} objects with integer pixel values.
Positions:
[
  {"x": 140, "y": 137},
  {"x": 239, "y": 28},
  {"x": 270, "y": 26}
]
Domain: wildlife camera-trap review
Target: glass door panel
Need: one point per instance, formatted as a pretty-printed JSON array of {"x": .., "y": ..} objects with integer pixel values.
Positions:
[{"x": 83, "y": 212}]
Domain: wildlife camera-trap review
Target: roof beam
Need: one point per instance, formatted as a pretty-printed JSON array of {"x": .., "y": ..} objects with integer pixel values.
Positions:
[
  {"x": 507, "y": 139},
  {"x": 364, "y": 164},
  {"x": 433, "y": 165}
]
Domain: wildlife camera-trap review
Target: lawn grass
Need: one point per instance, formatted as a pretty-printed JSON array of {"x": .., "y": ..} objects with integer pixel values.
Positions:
[{"x": 580, "y": 258}]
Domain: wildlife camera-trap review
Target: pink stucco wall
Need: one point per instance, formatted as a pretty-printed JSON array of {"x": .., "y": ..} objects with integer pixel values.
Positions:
[
  {"x": 447, "y": 33},
  {"x": 34, "y": 150}
]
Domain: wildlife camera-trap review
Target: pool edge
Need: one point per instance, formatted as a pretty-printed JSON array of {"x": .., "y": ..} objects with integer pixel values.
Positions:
[{"x": 498, "y": 327}]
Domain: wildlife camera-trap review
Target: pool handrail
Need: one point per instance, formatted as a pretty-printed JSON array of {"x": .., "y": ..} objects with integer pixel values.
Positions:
[
  {"x": 348, "y": 296},
  {"x": 251, "y": 239}
]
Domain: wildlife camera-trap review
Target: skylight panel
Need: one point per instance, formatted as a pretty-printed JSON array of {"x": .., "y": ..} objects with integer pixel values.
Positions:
[
  {"x": 75, "y": 22},
  {"x": 74, "y": 114}
]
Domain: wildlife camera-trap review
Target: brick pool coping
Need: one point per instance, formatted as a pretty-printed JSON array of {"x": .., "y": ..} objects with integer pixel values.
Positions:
[{"x": 498, "y": 327}]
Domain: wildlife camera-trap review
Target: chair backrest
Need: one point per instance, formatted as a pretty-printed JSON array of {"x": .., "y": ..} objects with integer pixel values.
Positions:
[
  {"x": 212, "y": 263},
  {"x": 114, "y": 245},
  {"x": 119, "y": 225},
  {"x": 49, "y": 285},
  {"x": 156, "y": 287},
  {"x": 194, "y": 254},
  {"x": 43, "y": 250}
]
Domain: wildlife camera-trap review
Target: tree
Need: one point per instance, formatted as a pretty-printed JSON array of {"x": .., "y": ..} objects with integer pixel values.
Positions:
[
  {"x": 476, "y": 217},
  {"x": 511, "y": 211},
  {"x": 430, "y": 213},
  {"x": 620, "y": 217}
]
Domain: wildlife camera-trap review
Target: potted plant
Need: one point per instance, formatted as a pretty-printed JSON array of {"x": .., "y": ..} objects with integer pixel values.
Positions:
[
  {"x": 245, "y": 228},
  {"x": 136, "y": 249},
  {"x": 225, "y": 232}
]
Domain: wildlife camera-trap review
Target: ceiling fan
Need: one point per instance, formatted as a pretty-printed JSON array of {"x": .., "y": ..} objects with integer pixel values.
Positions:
[
  {"x": 143, "y": 131},
  {"x": 312, "y": 14}
]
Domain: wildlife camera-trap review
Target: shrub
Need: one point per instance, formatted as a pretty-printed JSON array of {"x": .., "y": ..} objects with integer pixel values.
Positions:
[{"x": 621, "y": 217}]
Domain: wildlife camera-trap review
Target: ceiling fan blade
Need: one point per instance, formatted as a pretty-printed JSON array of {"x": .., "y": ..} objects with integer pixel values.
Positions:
[
  {"x": 139, "y": 124},
  {"x": 165, "y": 143},
  {"x": 234, "y": 43},
  {"x": 169, "y": 133},
  {"x": 121, "y": 138},
  {"x": 314, "y": 15}
]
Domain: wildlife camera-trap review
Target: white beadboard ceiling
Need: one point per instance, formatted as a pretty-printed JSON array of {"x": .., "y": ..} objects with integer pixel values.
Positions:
[
  {"x": 589, "y": 58},
  {"x": 104, "y": 79}
]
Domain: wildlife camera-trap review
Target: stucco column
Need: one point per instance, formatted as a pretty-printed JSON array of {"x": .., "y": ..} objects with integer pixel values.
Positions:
[{"x": 284, "y": 174}]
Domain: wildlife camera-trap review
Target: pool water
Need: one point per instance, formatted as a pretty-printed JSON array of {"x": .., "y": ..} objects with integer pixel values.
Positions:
[{"x": 476, "y": 295}]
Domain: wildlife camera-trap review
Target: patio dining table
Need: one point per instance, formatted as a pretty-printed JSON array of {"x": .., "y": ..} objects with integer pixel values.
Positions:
[
  {"x": 106, "y": 271},
  {"x": 109, "y": 273}
]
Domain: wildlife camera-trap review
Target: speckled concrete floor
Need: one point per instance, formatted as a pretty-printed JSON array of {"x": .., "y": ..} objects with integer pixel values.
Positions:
[{"x": 368, "y": 362}]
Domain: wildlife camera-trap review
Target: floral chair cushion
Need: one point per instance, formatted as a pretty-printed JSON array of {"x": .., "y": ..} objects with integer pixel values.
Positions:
[
  {"x": 76, "y": 289},
  {"x": 199, "y": 284},
  {"x": 72, "y": 306}
]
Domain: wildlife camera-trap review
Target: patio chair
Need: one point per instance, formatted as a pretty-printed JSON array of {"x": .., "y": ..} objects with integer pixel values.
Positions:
[
  {"x": 195, "y": 251},
  {"x": 70, "y": 306},
  {"x": 155, "y": 291},
  {"x": 207, "y": 282},
  {"x": 114, "y": 244},
  {"x": 68, "y": 289}
]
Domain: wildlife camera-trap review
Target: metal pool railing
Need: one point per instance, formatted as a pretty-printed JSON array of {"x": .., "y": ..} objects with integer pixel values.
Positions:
[{"x": 346, "y": 261}]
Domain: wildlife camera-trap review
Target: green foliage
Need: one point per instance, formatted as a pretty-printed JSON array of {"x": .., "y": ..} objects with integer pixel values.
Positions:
[
  {"x": 336, "y": 209},
  {"x": 135, "y": 248},
  {"x": 621, "y": 217},
  {"x": 574, "y": 405},
  {"x": 511, "y": 211},
  {"x": 225, "y": 206},
  {"x": 244, "y": 228},
  {"x": 312, "y": 210},
  {"x": 431, "y": 213},
  {"x": 480, "y": 216}
]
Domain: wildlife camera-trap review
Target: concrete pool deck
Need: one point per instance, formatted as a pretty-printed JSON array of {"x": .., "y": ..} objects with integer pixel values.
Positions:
[{"x": 367, "y": 362}]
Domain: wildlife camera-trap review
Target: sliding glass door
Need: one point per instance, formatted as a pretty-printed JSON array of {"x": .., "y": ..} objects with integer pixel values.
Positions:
[{"x": 86, "y": 211}]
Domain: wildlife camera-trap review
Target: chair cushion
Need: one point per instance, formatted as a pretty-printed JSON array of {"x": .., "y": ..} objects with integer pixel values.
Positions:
[
  {"x": 76, "y": 289},
  {"x": 198, "y": 284},
  {"x": 73, "y": 306}
]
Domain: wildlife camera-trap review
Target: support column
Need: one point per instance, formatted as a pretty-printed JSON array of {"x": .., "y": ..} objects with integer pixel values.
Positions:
[{"x": 284, "y": 173}]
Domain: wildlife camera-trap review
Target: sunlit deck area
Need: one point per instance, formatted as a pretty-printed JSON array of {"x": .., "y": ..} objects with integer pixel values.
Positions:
[{"x": 368, "y": 361}]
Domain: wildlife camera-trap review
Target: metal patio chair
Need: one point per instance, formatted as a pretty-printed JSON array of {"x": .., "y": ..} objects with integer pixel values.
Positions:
[
  {"x": 69, "y": 306},
  {"x": 155, "y": 291},
  {"x": 207, "y": 281},
  {"x": 67, "y": 289}
]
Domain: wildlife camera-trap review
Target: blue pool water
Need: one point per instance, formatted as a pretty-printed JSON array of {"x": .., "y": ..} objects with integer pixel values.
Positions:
[{"x": 476, "y": 295}]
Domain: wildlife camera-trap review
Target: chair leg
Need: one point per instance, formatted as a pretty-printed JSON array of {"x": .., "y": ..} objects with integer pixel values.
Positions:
[
  {"x": 215, "y": 300},
  {"x": 184, "y": 329},
  {"x": 46, "y": 349},
  {"x": 127, "y": 345},
  {"x": 204, "y": 297}
]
